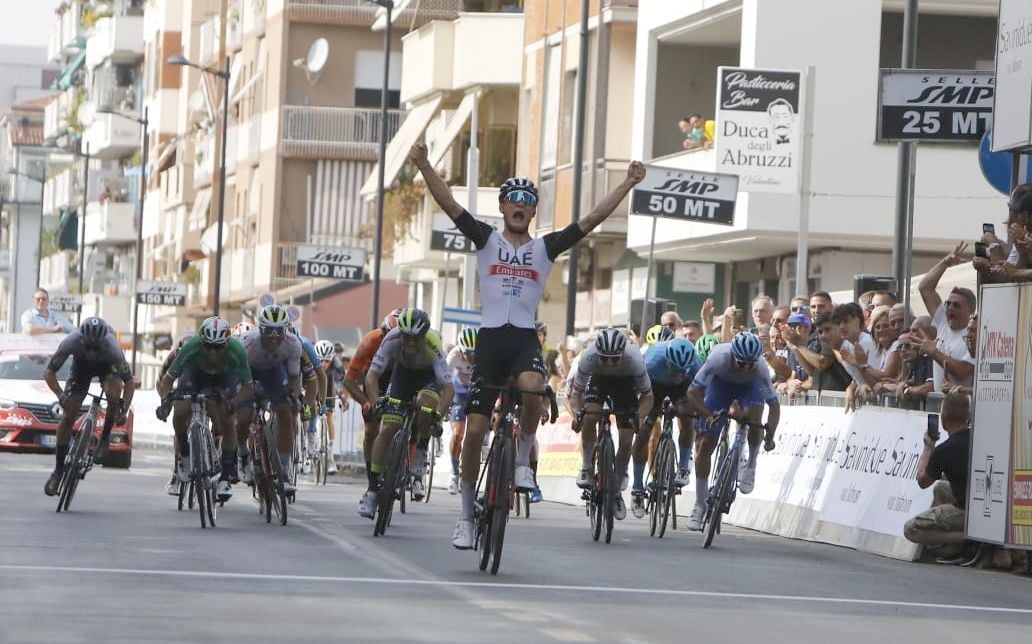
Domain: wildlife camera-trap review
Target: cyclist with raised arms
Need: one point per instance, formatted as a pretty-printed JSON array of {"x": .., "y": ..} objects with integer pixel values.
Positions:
[
  {"x": 671, "y": 366},
  {"x": 732, "y": 374},
  {"x": 278, "y": 365},
  {"x": 613, "y": 368},
  {"x": 354, "y": 382},
  {"x": 212, "y": 359},
  {"x": 327, "y": 357},
  {"x": 420, "y": 371},
  {"x": 513, "y": 268},
  {"x": 460, "y": 361},
  {"x": 95, "y": 354}
]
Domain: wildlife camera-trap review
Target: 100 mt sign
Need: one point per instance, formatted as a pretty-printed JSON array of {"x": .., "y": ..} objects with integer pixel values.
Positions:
[{"x": 316, "y": 269}]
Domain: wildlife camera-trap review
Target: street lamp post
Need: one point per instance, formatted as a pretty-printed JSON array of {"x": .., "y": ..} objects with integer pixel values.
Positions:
[
  {"x": 82, "y": 228},
  {"x": 224, "y": 75},
  {"x": 42, "y": 193},
  {"x": 381, "y": 173}
]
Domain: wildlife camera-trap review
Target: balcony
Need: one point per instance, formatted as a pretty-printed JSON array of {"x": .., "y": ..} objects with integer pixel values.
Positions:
[
  {"x": 115, "y": 37},
  {"x": 111, "y": 137},
  {"x": 110, "y": 223},
  {"x": 177, "y": 185},
  {"x": 334, "y": 132},
  {"x": 65, "y": 36},
  {"x": 431, "y": 63},
  {"x": 60, "y": 190},
  {"x": 361, "y": 13},
  {"x": 56, "y": 113},
  {"x": 57, "y": 271}
]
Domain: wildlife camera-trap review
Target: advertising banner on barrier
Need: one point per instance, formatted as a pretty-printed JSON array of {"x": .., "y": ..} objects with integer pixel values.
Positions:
[
  {"x": 1020, "y": 497},
  {"x": 993, "y": 409}
]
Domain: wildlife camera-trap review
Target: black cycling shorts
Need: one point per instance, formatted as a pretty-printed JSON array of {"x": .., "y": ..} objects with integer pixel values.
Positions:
[
  {"x": 83, "y": 373},
  {"x": 676, "y": 393},
  {"x": 501, "y": 352},
  {"x": 406, "y": 383},
  {"x": 619, "y": 389}
]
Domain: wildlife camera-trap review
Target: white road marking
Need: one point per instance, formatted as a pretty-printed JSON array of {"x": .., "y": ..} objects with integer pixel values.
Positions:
[
  {"x": 567, "y": 635},
  {"x": 504, "y": 586}
]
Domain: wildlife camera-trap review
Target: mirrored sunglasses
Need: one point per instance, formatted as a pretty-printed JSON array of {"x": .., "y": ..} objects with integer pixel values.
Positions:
[
  {"x": 272, "y": 331},
  {"x": 521, "y": 197}
]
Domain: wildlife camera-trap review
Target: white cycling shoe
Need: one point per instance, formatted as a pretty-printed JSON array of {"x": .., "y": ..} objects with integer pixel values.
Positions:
[
  {"x": 695, "y": 521},
  {"x": 418, "y": 489},
  {"x": 367, "y": 504},
  {"x": 747, "y": 481},
  {"x": 453, "y": 487},
  {"x": 462, "y": 538},
  {"x": 223, "y": 490}
]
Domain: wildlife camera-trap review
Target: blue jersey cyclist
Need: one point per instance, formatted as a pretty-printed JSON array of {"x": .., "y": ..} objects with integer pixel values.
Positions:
[
  {"x": 732, "y": 378},
  {"x": 279, "y": 366},
  {"x": 671, "y": 365},
  {"x": 460, "y": 361},
  {"x": 309, "y": 415}
]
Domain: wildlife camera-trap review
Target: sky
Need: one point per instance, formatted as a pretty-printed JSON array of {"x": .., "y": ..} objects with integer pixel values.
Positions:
[{"x": 26, "y": 22}]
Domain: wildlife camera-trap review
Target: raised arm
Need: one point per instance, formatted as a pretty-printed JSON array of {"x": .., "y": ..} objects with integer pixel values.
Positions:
[
  {"x": 438, "y": 188},
  {"x": 635, "y": 173},
  {"x": 929, "y": 296}
]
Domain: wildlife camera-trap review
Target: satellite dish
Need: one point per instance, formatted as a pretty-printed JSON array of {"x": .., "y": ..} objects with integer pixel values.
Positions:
[
  {"x": 314, "y": 62},
  {"x": 87, "y": 113}
]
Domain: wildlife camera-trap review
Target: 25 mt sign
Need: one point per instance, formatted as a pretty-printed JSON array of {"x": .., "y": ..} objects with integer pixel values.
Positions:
[
  {"x": 331, "y": 262},
  {"x": 934, "y": 105}
]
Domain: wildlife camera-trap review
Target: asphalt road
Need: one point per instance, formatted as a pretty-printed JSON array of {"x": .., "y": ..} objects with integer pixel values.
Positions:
[{"x": 124, "y": 566}]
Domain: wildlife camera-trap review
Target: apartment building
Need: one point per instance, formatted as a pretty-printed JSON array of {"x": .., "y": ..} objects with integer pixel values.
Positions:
[
  {"x": 852, "y": 177},
  {"x": 300, "y": 143}
]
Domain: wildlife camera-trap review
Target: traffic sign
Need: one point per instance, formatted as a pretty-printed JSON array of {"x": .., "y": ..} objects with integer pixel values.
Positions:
[
  {"x": 161, "y": 293},
  {"x": 293, "y": 313},
  {"x": 65, "y": 302},
  {"x": 934, "y": 105},
  {"x": 704, "y": 197},
  {"x": 996, "y": 166},
  {"x": 330, "y": 261},
  {"x": 266, "y": 299},
  {"x": 468, "y": 317},
  {"x": 445, "y": 236}
]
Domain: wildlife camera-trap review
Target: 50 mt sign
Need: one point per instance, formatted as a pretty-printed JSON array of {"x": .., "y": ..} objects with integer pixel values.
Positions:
[{"x": 331, "y": 262}]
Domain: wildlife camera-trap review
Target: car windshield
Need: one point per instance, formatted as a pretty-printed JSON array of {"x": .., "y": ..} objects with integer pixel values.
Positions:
[{"x": 29, "y": 367}]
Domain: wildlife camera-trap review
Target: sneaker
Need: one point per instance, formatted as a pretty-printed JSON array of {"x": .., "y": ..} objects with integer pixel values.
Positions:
[
  {"x": 331, "y": 466},
  {"x": 223, "y": 490},
  {"x": 682, "y": 477},
  {"x": 695, "y": 521},
  {"x": 462, "y": 538},
  {"x": 535, "y": 495},
  {"x": 54, "y": 482},
  {"x": 247, "y": 475},
  {"x": 102, "y": 448},
  {"x": 524, "y": 478},
  {"x": 367, "y": 504},
  {"x": 418, "y": 489},
  {"x": 183, "y": 469},
  {"x": 638, "y": 504},
  {"x": 747, "y": 480},
  {"x": 172, "y": 487},
  {"x": 453, "y": 487},
  {"x": 584, "y": 480},
  {"x": 619, "y": 509}
]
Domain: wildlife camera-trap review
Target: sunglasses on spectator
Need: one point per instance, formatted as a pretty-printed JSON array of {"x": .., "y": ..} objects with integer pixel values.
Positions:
[
  {"x": 800, "y": 308},
  {"x": 272, "y": 331},
  {"x": 521, "y": 198},
  {"x": 609, "y": 359}
]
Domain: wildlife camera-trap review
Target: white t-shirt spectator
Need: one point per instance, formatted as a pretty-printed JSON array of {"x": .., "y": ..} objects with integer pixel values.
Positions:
[
  {"x": 48, "y": 321},
  {"x": 951, "y": 343}
]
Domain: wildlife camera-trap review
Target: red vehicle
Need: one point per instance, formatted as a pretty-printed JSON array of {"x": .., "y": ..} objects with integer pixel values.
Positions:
[{"x": 28, "y": 410}]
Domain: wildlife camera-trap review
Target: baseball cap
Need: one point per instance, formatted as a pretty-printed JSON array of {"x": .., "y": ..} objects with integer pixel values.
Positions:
[{"x": 800, "y": 318}]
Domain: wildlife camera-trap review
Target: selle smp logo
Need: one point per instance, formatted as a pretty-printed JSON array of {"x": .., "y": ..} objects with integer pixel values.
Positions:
[
  {"x": 952, "y": 95},
  {"x": 332, "y": 257},
  {"x": 163, "y": 288},
  {"x": 687, "y": 187}
]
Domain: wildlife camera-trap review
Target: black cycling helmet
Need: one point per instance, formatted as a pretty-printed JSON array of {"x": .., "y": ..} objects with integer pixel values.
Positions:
[{"x": 93, "y": 330}]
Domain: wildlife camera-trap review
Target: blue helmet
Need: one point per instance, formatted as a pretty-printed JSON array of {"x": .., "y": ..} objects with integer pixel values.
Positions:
[
  {"x": 680, "y": 353},
  {"x": 746, "y": 347}
]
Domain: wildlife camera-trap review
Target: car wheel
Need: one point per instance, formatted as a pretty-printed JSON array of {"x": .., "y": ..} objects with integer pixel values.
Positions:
[{"x": 121, "y": 460}]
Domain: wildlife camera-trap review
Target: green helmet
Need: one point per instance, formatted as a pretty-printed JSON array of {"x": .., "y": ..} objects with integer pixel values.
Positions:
[{"x": 705, "y": 344}]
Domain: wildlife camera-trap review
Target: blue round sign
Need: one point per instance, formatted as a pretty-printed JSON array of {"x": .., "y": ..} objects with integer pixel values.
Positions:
[{"x": 996, "y": 166}]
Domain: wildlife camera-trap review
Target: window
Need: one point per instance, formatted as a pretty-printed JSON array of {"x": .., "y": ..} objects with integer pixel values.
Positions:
[
  {"x": 550, "y": 118},
  {"x": 497, "y": 155},
  {"x": 566, "y": 127},
  {"x": 369, "y": 79},
  {"x": 546, "y": 201}
]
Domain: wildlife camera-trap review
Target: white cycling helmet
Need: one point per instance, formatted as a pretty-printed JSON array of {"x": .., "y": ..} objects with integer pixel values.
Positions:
[{"x": 324, "y": 349}]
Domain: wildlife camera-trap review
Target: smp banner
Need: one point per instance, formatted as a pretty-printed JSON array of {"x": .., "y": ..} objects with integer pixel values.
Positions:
[
  {"x": 704, "y": 197},
  {"x": 759, "y": 127}
]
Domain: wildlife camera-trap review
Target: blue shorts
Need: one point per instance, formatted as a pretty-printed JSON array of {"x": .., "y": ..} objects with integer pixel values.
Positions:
[
  {"x": 458, "y": 407},
  {"x": 720, "y": 394}
]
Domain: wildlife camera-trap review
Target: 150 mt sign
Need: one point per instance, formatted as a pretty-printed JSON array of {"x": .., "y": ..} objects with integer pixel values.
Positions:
[
  {"x": 331, "y": 262},
  {"x": 934, "y": 105},
  {"x": 161, "y": 293}
]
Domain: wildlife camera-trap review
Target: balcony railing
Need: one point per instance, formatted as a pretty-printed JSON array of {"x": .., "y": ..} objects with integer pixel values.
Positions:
[
  {"x": 117, "y": 37},
  {"x": 334, "y": 132},
  {"x": 110, "y": 222},
  {"x": 362, "y": 13}
]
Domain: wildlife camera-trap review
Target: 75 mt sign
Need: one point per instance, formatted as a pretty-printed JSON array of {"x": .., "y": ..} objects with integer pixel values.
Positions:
[{"x": 446, "y": 237}]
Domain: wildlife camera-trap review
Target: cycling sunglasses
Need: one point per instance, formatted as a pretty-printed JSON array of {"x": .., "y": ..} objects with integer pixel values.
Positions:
[
  {"x": 521, "y": 197},
  {"x": 272, "y": 331},
  {"x": 213, "y": 347},
  {"x": 609, "y": 359},
  {"x": 741, "y": 364}
]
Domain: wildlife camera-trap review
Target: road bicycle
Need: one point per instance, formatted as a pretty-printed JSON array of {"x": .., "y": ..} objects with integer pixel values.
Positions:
[
  {"x": 601, "y": 497},
  {"x": 396, "y": 480},
  {"x": 205, "y": 464},
  {"x": 662, "y": 492},
  {"x": 268, "y": 470},
  {"x": 81, "y": 453}
]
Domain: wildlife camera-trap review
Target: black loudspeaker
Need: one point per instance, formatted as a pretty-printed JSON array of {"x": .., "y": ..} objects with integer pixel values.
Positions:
[
  {"x": 654, "y": 308},
  {"x": 864, "y": 283}
]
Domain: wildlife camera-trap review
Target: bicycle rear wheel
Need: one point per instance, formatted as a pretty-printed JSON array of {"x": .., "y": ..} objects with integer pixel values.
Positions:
[
  {"x": 503, "y": 491},
  {"x": 724, "y": 489},
  {"x": 596, "y": 496}
]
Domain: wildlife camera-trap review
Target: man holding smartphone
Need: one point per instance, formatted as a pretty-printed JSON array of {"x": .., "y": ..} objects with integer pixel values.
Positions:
[
  {"x": 943, "y": 523},
  {"x": 995, "y": 263}
]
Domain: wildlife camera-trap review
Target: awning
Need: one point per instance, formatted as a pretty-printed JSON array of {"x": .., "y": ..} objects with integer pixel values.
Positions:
[
  {"x": 210, "y": 238},
  {"x": 398, "y": 149},
  {"x": 455, "y": 126},
  {"x": 200, "y": 207},
  {"x": 64, "y": 80},
  {"x": 235, "y": 98}
]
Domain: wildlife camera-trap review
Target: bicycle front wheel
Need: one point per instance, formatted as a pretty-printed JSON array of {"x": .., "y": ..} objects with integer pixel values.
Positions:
[
  {"x": 610, "y": 485},
  {"x": 431, "y": 460},
  {"x": 666, "y": 474},
  {"x": 724, "y": 488},
  {"x": 393, "y": 482}
]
